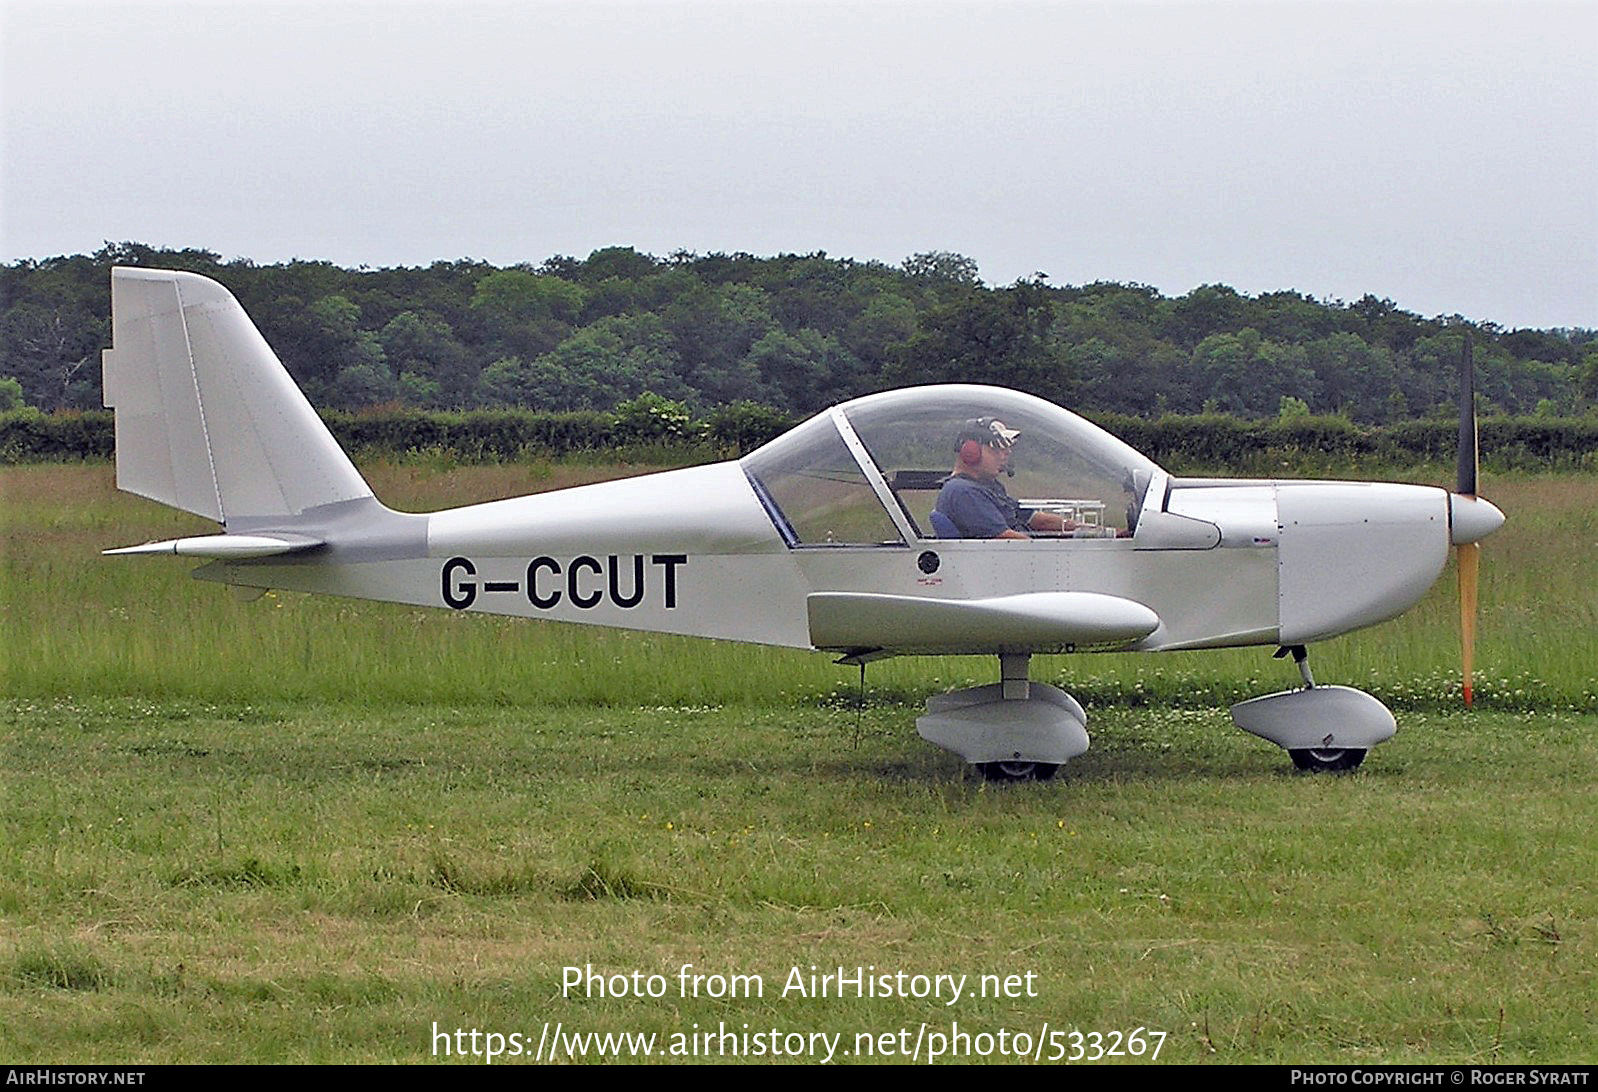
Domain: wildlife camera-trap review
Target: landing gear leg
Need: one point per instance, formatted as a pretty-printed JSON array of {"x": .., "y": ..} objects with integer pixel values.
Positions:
[{"x": 1300, "y": 656}]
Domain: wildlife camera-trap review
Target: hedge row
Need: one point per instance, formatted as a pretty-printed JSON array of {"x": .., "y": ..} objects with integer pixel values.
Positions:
[
  {"x": 30, "y": 436},
  {"x": 1216, "y": 440},
  {"x": 1210, "y": 440}
]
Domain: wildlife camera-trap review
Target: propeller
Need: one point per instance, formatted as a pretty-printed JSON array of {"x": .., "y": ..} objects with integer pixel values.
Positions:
[
  {"x": 1471, "y": 518},
  {"x": 1469, "y": 553}
]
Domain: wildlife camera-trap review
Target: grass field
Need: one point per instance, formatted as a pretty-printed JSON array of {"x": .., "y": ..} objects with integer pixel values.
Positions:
[{"x": 308, "y": 830}]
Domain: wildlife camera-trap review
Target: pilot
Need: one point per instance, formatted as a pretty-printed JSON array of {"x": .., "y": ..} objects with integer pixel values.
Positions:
[{"x": 974, "y": 500}]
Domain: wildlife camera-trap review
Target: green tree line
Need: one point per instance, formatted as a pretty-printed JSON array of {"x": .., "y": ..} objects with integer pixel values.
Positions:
[{"x": 794, "y": 333}]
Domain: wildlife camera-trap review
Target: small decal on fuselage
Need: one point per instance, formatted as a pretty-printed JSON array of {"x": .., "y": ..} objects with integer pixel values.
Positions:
[{"x": 584, "y": 582}]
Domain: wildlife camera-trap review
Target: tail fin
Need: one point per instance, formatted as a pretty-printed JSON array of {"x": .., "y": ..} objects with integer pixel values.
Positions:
[{"x": 207, "y": 418}]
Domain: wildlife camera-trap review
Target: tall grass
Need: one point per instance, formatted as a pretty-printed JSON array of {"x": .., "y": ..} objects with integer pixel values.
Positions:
[{"x": 74, "y": 622}]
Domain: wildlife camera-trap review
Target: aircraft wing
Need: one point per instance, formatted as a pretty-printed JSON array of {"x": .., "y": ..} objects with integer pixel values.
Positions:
[{"x": 867, "y": 625}]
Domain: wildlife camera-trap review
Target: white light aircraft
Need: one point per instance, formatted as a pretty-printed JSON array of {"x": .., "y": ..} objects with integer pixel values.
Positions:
[{"x": 823, "y": 538}]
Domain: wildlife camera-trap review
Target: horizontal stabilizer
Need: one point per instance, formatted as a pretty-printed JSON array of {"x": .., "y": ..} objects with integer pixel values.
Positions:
[
  {"x": 232, "y": 547},
  {"x": 862, "y": 622}
]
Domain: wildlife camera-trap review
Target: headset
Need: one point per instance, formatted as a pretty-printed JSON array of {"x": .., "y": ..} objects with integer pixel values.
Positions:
[{"x": 980, "y": 432}]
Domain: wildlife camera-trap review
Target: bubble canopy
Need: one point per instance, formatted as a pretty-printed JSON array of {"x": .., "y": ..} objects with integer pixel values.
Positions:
[{"x": 868, "y": 472}]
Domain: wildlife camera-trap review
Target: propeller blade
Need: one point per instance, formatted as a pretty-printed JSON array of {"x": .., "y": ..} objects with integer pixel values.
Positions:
[
  {"x": 1469, "y": 553},
  {"x": 1468, "y": 460},
  {"x": 1469, "y": 560}
]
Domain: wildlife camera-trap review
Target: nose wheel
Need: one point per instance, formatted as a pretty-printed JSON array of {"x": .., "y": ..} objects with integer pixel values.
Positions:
[
  {"x": 1327, "y": 759},
  {"x": 1018, "y": 771}
]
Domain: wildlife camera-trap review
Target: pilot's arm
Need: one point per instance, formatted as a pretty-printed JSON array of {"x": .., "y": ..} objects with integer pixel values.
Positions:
[
  {"x": 1053, "y": 523},
  {"x": 1050, "y": 523},
  {"x": 1043, "y": 523}
]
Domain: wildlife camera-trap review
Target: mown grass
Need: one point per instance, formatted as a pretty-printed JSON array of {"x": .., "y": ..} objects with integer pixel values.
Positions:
[
  {"x": 310, "y": 881},
  {"x": 304, "y": 830}
]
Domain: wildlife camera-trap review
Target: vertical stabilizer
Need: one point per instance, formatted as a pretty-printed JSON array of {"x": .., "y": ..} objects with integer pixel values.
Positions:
[{"x": 207, "y": 418}]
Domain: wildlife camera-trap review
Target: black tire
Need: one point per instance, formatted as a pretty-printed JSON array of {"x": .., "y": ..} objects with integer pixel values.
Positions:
[
  {"x": 1018, "y": 771},
  {"x": 1328, "y": 759}
]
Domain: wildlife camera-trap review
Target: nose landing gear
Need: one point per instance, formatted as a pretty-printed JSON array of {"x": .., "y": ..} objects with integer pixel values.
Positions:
[{"x": 1323, "y": 729}]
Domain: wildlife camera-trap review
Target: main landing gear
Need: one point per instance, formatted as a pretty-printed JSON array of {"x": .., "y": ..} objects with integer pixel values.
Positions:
[
  {"x": 1013, "y": 730},
  {"x": 1324, "y": 729}
]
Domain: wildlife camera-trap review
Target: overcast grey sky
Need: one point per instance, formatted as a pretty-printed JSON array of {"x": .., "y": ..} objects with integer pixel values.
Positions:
[{"x": 1441, "y": 154}]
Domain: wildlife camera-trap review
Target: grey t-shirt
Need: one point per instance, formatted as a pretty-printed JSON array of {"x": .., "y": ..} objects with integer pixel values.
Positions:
[{"x": 981, "y": 509}]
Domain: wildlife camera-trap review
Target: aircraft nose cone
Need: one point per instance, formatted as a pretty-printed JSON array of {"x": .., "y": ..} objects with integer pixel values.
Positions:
[{"x": 1471, "y": 518}]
